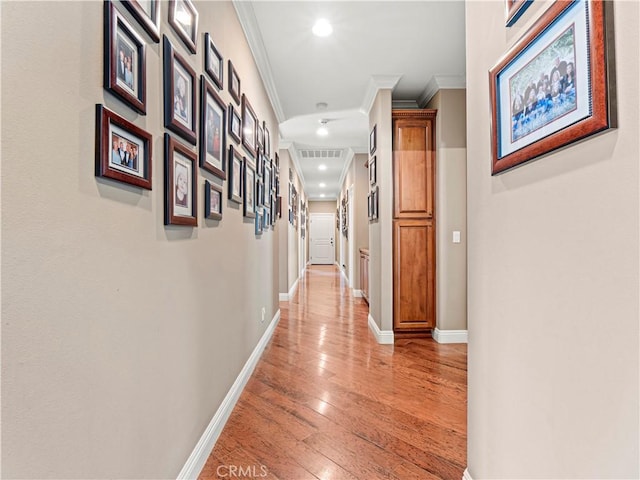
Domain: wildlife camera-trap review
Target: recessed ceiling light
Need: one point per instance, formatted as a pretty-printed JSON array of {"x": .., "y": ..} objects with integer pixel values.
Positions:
[
  {"x": 322, "y": 28},
  {"x": 322, "y": 167},
  {"x": 322, "y": 195},
  {"x": 322, "y": 185},
  {"x": 322, "y": 131}
]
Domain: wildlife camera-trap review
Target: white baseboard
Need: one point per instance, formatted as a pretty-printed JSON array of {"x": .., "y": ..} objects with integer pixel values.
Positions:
[
  {"x": 357, "y": 293},
  {"x": 450, "y": 336},
  {"x": 344, "y": 275},
  {"x": 384, "y": 337},
  {"x": 284, "y": 297},
  {"x": 201, "y": 452},
  {"x": 292, "y": 290},
  {"x": 466, "y": 475}
]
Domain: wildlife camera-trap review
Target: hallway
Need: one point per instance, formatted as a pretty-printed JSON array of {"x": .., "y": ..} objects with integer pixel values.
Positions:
[{"x": 327, "y": 402}]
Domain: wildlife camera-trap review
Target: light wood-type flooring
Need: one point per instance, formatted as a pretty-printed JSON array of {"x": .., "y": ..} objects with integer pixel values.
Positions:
[{"x": 328, "y": 402}]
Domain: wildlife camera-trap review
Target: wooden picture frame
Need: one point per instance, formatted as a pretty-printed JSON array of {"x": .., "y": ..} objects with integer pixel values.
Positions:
[
  {"x": 212, "y": 201},
  {"x": 213, "y": 115},
  {"x": 235, "y": 124},
  {"x": 213, "y": 62},
  {"x": 373, "y": 175},
  {"x": 515, "y": 9},
  {"x": 260, "y": 137},
  {"x": 567, "y": 52},
  {"x": 125, "y": 61},
  {"x": 179, "y": 94},
  {"x": 147, "y": 14},
  {"x": 249, "y": 189},
  {"x": 235, "y": 163},
  {"x": 373, "y": 140},
  {"x": 180, "y": 182},
  {"x": 249, "y": 127},
  {"x": 183, "y": 17},
  {"x": 234, "y": 83},
  {"x": 123, "y": 150},
  {"x": 267, "y": 140},
  {"x": 374, "y": 203}
]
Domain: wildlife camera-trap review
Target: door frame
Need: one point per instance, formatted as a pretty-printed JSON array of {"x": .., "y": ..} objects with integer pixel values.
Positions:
[{"x": 333, "y": 222}]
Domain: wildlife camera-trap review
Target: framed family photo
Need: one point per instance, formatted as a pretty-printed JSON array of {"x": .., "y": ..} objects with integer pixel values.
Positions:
[
  {"x": 147, "y": 14},
  {"x": 235, "y": 175},
  {"x": 124, "y": 60},
  {"x": 235, "y": 124},
  {"x": 234, "y": 83},
  {"x": 179, "y": 94},
  {"x": 213, "y": 62},
  {"x": 249, "y": 127},
  {"x": 515, "y": 9},
  {"x": 179, "y": 183},
  {"x": 212, "y": 201},
  {"x": 249, "y": 189},
  {"x": 123, "y": 150},
  {"x": 183, "y": 17},
  {"x": 554, "y": 86},
  {"x": 213, "y": 114}
]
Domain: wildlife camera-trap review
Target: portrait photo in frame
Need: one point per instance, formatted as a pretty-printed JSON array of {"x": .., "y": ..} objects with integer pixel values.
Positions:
[
  {"x": 234, "y": 83},
  {"x": 123, "y": 150},
  {"x": 553, "y": 87},
  {"x": 235, "y": 179},
  {"x": 179, "y": 94},
  {"x": 125, "y": 62},
  {"x": 249, "y": 189},
  {"x": 180, "y": 179},
  {"x": 183, "y": 17},
  {"x": 213, "y": 113},
  {"x": 249, "y": 127},
  {"x": 213, "y": 62},
  {"x": 212, "y": 201},
  {"x": 235, "y": 124},
  {"x": 147, "y": 14}
]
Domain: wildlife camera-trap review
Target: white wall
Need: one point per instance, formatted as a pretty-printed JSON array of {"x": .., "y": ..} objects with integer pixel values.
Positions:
[
  {"x": 120, "y": 336},
  {"x": 553, "y": 283}
]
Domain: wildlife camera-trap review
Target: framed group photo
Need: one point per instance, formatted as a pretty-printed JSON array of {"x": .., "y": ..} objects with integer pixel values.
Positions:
[
  {"x": 212, "y": 201},
  {"x": 124, "y": 60},
  {"x": 554, "y": 85},
  {"x": 147, "y": 13},
  {"x": 123, "y": 150},
  {"x": 213, "y": 62},
  {"x": 180, "y": 183},
  {"x": 235, "y": 178},
  {"x": 183, "y": 17},
  {"x": 179, "y": 94},
  {"x": 213, "y": 114}
]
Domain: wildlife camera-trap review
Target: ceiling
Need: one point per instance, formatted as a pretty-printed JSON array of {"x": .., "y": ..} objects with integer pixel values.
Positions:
[{"x": 413, "y": 47}]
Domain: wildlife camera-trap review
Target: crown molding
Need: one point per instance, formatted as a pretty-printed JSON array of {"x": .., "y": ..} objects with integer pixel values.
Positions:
[
  {"x": 347, "y": 164},
  {"x": 251, "y": 28},
  {"x": 440, "y": 82},
  {"x": 377, "y": 82},
  {"x": 404, "y": 104},
  {"x": 293, "y": 153}
]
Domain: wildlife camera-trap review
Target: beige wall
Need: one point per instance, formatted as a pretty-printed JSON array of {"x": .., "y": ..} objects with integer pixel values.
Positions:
[
  {"x": 451, "y": 209},
  {"x": 290, "y": 240},
  {"x": 120, "y": 336},
  {"x": 316, "y": 206},
  {"x": 553, "y": 283}
]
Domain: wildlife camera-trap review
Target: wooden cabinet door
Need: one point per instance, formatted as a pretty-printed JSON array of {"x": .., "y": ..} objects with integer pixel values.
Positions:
[
  {"x": 414, "y": 275},
  {"x": 413, "y": 167}
]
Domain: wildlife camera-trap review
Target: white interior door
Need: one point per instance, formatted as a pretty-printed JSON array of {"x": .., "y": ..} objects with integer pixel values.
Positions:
[{"x": 321, "y": 230}]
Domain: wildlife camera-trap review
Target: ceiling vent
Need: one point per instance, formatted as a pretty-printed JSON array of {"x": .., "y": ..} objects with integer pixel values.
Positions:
[{"x": 320, "y": 154}]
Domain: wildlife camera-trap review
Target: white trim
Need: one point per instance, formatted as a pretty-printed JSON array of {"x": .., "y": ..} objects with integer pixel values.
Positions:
[
  {"x": 450, "y": 336},
  {"x": 377, "y": 82},
  {"x": 466, "y": 475},
  {"x": 384, "y": 337},
  {"x": 344, "y": 275},
  {"x": 357, "y": 293},
  {"x": 284, "y": 297},
  {"x": 293, "y": 153},
  {"x": 404, "y": 104},
  {"x": 440, "y": 82},
  {"x": 346, "y": 166},
  {"x": 292, "y": 290},
  {"x": 203, "y": 448}
]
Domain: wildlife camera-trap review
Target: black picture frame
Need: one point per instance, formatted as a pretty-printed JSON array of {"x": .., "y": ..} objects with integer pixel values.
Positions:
[
  {"x": 213, "y": 117},
  {"x": 249, "y": 127},
  {"x": 515, "y": 9},
  {"x": 149, "y": 20},
  {"x": 258, "y": 221},
  {"x": 372, "y": 171},
  {"x": 125, "y": 61},
  {"x": 249, "y": 189},
  {"x": 260, "y": 137},
  {"x": 179, "y": 94},
  {"x": 234, "y": 83},
  {"x": 235, "y": 124},
  {"x": 235, "y": 177},
  {"x": 212, "y": 201},
  {"x": 213, "y": 62},
  {"x": 267, "y": 140},
  {"x": 373, "y": 140},
  {"x": 180, "y": 169},
  {"x": 133, "y": 168},
  {"x": 183, "y": 17}
]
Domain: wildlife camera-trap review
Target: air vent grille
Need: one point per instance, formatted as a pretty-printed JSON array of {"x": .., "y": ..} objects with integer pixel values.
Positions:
[{"x": 317, "y": 154}]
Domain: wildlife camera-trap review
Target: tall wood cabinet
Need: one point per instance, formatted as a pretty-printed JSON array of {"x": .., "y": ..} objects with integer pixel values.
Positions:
[{"x": 414, "y": 253}]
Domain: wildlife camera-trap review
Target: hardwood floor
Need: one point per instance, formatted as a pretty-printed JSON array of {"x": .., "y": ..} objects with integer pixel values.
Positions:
[{"x": 328, "y": 402}]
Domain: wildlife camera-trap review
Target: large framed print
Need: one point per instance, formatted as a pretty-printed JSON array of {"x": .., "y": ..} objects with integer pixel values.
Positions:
[
  {"x": 179, "y": 94},
  {"x": 179, "y": 183},
  {"x": 515, "y": 9},
  {"x": 249, "y": 127},
  {"x": 147, "y": 13},
  {"x": 554, "y": 86},
  {"x": 123, "y": 150},
  {"x": 213, "y": 62},
  {"x": 249, "y": 189},
  {"x": 183, "y": 17},
  {"x": 235, "y": 163},
  {"x": 212, "y": 201},
  {"x": 213, "y": 114},
  {"x": 125, "y": 62}
]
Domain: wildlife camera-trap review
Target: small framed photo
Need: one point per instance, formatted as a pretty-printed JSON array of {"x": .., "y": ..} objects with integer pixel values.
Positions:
[
  {"x": 249, "y": 189},
  {"x": 259, "y": 192},
  {"x": 147, "y": 13},
  {"x": 213, "y": 62},
  {"x": 374, "y": 203},
  {"x": 179, "y": 94},
  {"x": 213, "y": 113},
  {"x": 267, "y": 186},
  {"x": 183, "y": 17},
  {"x": 125, "y": 62},
  {"x": 123, "y": 150},
  {"x": 234, "y": 83},
  {"x": 179, "y": 183},
  {"x": 267, "y": 139},
  {"x": 249, "y": 127},
  {"x": 212, "y": 201},
  {"x": 260, "y": 137},
  {"x": 373, "y": 141},
  {"x": 369, "y": 208},
  {"x": 235, "y": 175},
  {"x": 259, "y": 221},
  {"x": 515, "y": 9},
  {"x": 554, "y": 86},
  {"x": 372, "y": 171},
  {"x": 235, "y": 124},
  {"x": 260, "y": 163},
  {"x": 266, "y": 217}
]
